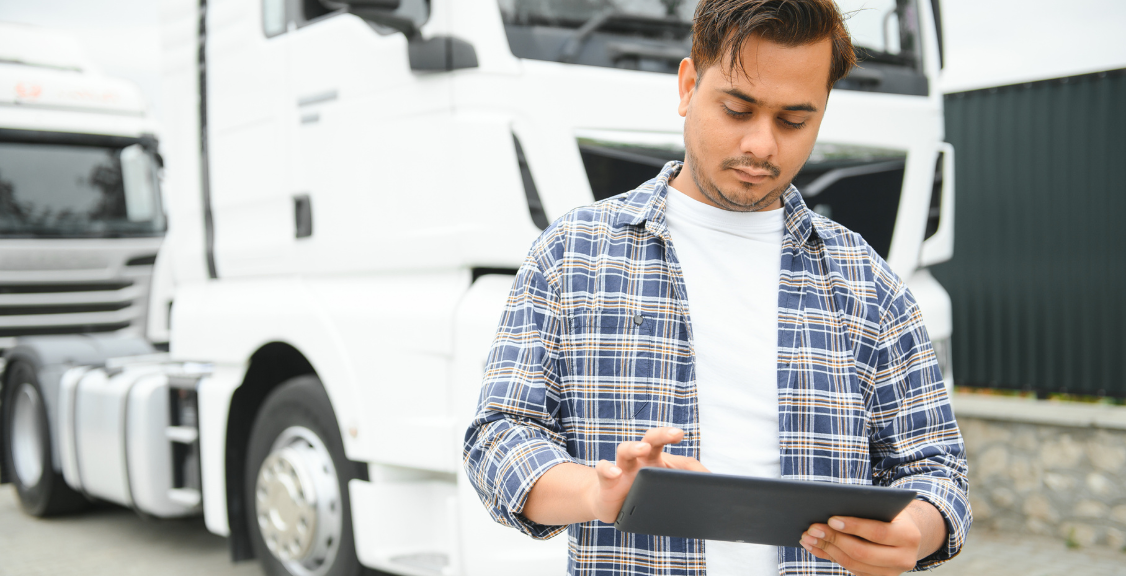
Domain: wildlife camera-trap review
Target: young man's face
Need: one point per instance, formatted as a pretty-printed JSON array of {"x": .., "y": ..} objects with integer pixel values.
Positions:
[{"x": 747, "y": 135}]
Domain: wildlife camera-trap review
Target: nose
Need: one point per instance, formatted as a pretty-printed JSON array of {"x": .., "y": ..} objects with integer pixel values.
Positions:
[{"x": 760, "y": 141}]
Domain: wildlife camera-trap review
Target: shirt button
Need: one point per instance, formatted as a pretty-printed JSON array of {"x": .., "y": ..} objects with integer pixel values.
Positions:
[{"x": 638, "y": 319}]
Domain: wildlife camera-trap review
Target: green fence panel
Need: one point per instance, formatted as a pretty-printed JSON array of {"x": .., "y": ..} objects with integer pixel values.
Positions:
[{"x": 1038, "y": 279}]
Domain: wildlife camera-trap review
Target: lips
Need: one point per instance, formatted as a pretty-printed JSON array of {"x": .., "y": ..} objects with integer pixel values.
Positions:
[{"x": 752, "y": 176}]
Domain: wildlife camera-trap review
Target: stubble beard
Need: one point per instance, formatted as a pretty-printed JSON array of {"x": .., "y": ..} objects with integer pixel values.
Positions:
[{"x": 712, "y": 192}]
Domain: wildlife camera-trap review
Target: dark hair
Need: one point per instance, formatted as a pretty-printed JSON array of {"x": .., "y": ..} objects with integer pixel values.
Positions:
[{"x": 723, "y": 26}]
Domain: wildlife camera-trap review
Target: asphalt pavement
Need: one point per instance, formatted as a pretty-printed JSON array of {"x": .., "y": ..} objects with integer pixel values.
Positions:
[
  {"x": 114, "y": 541},
  {"x": 109, "y": 540}
]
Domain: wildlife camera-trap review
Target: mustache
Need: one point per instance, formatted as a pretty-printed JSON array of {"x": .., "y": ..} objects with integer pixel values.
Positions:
[{"x": 748, "y": 162}]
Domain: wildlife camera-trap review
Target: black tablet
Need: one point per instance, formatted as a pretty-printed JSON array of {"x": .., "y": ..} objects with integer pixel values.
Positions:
[{"x": 687, "y": 504}]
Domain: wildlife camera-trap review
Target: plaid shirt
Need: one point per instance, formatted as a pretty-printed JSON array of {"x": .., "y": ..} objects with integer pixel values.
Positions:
[{"x": 595, "y": 347}]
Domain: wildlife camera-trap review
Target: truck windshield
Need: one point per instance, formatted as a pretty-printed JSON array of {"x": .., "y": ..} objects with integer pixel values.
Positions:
[
  {"x": 654, "y": 35},
  {"x": 64, "y": 190},
  {"x": 884, "y": 32}
]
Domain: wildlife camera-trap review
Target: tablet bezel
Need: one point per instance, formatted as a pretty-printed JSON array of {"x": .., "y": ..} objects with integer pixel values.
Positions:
[{"x": 681, "y": 503}]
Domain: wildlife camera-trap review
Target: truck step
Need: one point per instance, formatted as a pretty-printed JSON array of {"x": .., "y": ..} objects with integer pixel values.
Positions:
[
  {"x": 425, "y": 562},
  {"x": 186, "y": 497},
  {"x": 181, "y": 434}
]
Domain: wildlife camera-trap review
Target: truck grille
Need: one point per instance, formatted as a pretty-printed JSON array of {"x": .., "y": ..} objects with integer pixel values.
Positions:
[
  {"x": 35, "y": 309},
  {"x": 60, "y": 288}
]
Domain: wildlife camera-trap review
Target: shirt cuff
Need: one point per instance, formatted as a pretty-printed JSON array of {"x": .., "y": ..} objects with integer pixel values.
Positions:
[
  {"x": 519, "y": 471},
  {"x": 954, "y": 506}
]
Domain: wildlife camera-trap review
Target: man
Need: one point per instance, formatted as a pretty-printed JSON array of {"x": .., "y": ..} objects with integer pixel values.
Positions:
[{"x": 709, "y": 320}]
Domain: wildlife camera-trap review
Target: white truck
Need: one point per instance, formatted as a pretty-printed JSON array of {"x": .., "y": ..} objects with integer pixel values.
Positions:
[
  {"x": 351, "y": 185},
  {"x": 80, "y": 210},
  {"x": 81, "y": 218}
]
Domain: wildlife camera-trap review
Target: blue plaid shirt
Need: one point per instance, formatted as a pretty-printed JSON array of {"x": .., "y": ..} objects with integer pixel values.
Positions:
[{"x": 595, "y": 347}]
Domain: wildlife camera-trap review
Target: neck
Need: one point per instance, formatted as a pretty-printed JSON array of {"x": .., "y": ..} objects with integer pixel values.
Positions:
[{"x": 684, "y": 182}]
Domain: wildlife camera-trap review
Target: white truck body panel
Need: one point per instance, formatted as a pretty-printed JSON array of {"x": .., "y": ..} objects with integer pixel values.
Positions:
[
  {"x": 215, "y": 392},
  {"x": 485, "y": 547}
]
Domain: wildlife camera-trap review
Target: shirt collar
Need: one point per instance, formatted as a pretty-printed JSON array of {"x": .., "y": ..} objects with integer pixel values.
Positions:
[{"x": 647, "y": 203}]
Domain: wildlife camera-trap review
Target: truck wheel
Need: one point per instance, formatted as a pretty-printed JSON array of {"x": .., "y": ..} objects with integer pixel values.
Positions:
[
  {"x": 296, "y": 485},
  {"x": 27, "y": 450}
]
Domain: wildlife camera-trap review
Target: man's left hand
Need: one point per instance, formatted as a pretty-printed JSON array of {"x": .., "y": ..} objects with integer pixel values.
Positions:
[{"x": 874, "y": 548}]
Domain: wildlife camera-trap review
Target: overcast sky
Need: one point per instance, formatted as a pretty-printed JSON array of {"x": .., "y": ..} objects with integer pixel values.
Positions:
[
  {"x": 988, "y": 42},
  {"x": 998, "y": 42}
]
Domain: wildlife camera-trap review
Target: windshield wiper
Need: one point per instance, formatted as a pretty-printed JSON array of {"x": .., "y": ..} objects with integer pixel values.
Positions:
[
  {"x": 575, "y": 43},
  {"x": 577, "y": 40},
  {"x": 865, "y": 54}
]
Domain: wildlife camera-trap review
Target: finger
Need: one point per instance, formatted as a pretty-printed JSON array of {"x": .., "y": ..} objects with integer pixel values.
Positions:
[
  {"x": 610, "y": 478},
  {"x": 613, "y": 485},
  {"x": 869, "y": 553},
  {"x": 887, "y": 533},
  {"x": 629, "y": 453},
  {"x": 815, "y": 551},
  {"x": 609, "y": 475},
  {"x": 827, "y": 551},
  {"x": 658, "y": 437},
  {"x": 856, "y": 554},
  {"x": 683, "y": 463},
  {"x": 861, "y": 567}
]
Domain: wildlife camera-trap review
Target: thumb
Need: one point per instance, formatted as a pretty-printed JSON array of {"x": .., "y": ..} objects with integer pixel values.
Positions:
[{"x": 609, "y": 475}]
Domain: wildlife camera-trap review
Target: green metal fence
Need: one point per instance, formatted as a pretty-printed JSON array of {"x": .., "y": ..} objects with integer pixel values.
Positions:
[{"x": 1038, "y": 279}]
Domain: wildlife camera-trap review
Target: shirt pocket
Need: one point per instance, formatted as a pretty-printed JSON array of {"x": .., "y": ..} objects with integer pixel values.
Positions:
[{"x": 609, "y": 353}]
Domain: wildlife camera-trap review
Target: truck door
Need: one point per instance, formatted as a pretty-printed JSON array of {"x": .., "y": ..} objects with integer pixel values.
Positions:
[
  {"x": 249, "y": 164},
  {"x": 313, "y": 117},
  {"x": 358, "y": 117}
]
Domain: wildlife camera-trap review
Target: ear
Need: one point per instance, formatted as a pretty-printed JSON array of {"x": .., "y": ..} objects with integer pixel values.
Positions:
[{"x": 686, "y": 81}]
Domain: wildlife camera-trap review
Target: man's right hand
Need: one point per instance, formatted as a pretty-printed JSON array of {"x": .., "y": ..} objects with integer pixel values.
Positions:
[
  {"x": 571, "y": 493},
  {"x": 615, "y": 479}
]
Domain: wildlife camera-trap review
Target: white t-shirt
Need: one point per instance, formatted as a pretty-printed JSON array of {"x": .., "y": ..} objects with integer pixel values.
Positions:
[{"x": 731, "y": 263}]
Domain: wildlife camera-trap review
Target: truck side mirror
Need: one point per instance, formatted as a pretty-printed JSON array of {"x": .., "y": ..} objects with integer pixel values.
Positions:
[
  {"x": 442, "y": 53},
  {"x": 437, "y": 54}
]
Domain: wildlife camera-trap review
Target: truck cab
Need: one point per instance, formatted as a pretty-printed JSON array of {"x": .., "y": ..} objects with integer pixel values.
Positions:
[{"x": 81, "y": 218}]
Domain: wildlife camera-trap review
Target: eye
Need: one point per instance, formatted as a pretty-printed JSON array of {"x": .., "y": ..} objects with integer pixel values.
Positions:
[
  {"x": 733, "y": 113},
  {"x": 794, "y": 125}
]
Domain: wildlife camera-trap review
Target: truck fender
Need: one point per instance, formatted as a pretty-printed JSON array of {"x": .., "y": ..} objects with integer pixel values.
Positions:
[{"x": 236, "y": 394}]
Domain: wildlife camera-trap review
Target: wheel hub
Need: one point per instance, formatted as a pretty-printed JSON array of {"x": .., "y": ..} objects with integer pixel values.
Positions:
[
  {"x": 27, "y": 435},
  {"x": 297, "y": 502},
  {"x": 289, "y": 519}
]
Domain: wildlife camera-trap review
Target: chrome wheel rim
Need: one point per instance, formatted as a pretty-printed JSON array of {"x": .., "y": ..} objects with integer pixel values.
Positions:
[
  {"x": 27, "y": 435},
  {"x": 297, "y": 503}
]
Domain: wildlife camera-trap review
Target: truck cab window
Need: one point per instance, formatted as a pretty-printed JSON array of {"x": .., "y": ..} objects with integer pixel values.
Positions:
[
  {"x": 279, "y": 16},
  {"x": 50, "y": 190},
  {"x": 273, "y": 17},
  {"x": 654, "y": 35},
  {"x": 648, "y": 35},
  {"x": 887, "y": 30},
  {"x": 886, "y": 36}
]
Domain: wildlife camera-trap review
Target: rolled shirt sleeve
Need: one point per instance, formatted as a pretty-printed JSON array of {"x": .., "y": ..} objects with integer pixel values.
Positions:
[
  {"x": 514, "y": 438},
  {"x": 915, "y": 442}
]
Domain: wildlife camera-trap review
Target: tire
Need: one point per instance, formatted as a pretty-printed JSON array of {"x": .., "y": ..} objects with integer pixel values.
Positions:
[
  {"x": 295, "y": 450},
  {"x": 27, "y": 447}
]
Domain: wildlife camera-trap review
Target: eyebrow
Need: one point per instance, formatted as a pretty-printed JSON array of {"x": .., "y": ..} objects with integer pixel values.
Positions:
[{"x": 803, "y": 107}]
